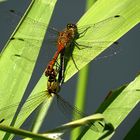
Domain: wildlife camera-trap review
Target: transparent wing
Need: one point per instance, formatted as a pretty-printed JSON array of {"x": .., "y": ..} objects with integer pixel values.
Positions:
[
  {"x": 91, "y": 48},
  {"x": 68, "y": 109},
  {"x": 102, "y": 29},
  {"x": 34, "y": 43},
  {"x": 38, "y": 26},
  {"x": 7, "y": 113},
  {"x": 24, "y": 48},
  {"x": 86, "y": 52}
]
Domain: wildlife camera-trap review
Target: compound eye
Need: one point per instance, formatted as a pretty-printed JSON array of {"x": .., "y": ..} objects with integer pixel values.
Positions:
[
  {"x": 69, "y": 26},
  {"x": 73, "y": 26}
]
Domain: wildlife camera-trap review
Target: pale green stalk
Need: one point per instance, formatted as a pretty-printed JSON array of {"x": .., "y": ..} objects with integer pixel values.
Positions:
[
  {"x": 82, "y": 84},
  {"x": 22, "y": 133}
]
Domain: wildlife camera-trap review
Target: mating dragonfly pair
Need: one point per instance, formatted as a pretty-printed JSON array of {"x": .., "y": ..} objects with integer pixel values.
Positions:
[{"x": 66, "y": 40}]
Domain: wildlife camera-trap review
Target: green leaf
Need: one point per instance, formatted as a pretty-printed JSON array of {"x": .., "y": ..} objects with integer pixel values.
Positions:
[
  {"x": 18, "y": 58},
  {"x": 117, "y": 106},
  {"x": 109, "y": 30}
]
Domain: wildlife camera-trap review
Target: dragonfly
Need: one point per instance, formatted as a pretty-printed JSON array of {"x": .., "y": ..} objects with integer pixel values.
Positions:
[
  {"x": 53, "y": 88},
  {"x": 67, "y": 39}
]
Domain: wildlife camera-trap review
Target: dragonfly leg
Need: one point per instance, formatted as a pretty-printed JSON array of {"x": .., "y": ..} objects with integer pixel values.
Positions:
[
  {"x": 83, "y": 32},
  {"x": 81, "y": 46},
  {"x": 74, "y": 62}
]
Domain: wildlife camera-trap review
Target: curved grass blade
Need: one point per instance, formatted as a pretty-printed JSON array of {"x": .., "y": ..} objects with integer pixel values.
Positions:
[
  {"x": 77, "y": 123},
  {"x": 117, "y": 106},
  {"x": 57, "y": 132},
  {"x": 23, "y": 133}
]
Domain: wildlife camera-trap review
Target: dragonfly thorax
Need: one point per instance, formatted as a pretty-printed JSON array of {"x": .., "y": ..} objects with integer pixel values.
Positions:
[
  {"x": 73, "y": 28},
  {"x": 67, "y": 36},
  {"x": 53, "y": 87}
]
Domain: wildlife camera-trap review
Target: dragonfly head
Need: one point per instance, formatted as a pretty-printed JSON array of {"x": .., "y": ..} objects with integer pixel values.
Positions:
[{"x": 73, "y": 28}]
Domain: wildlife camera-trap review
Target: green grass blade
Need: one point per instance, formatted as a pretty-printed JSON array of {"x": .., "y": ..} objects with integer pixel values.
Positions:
[
  {"x": 102, "y": 9},
  {"x": 18, "y": 57},
  {"x": 23, "y": 133},
  {"x": 80, "y": 95},
  {"x": 41, "y": 114},
  {"x": 89, "y": 3},
  {"x": 117, "y": 106}
]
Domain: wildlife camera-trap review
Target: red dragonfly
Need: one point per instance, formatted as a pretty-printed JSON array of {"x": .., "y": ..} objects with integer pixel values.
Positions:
[{"x": 68, "y": 37}]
